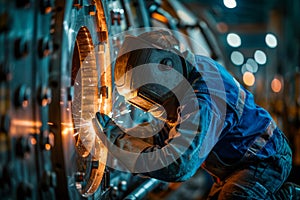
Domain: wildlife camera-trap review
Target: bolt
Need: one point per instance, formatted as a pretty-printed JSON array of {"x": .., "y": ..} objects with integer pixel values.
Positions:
[
  {"x": 47, "y": 140},
  {"x": 46, "y": 6},
  {"x": 45, "y": 96},
  {"x": 21, "y": 48},
  {"x": 44, "y": 47},
  {"x": 22, "y": 147},
  {"x": 22, "y": 96}
]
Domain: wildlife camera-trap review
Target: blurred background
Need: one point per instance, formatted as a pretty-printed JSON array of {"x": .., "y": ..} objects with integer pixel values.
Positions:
[{"x": 56, "y": 63}]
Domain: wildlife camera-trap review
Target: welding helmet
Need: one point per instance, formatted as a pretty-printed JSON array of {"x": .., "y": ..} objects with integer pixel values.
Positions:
[{"x": 149, "y": 68}]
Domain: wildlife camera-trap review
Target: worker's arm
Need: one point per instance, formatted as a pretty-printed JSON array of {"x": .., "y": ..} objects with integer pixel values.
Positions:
[{"x": 182, "y": 153}]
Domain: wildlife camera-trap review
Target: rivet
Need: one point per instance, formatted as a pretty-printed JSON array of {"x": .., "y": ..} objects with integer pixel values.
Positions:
[
  {"x": 46, "y": 6},
  {"x": 45, "y": 96},
  {"x": 21, "y": 48},
  {"x": 22, "y": 97},
  {"x": 44, "y": 47}
]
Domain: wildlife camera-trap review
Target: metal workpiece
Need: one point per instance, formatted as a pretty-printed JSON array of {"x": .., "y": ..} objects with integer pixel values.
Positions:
[
  {"x": 74, "y": 82},
  {"x": 56, "y": 73},
  {"x": 56, "y": 68},
  {"x": 22, "y": 119}
]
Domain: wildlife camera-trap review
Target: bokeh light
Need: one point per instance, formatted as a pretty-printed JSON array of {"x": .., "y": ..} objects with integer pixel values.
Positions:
[
  {"x": 249, "y": 79},
  {"x": 237, "y": 58},
  {"x": 244, "y": 68},
  {"x": 251, "y": 65},
  {"x": 271, "y": 40},
  {"x": 276, "y": 85},
  {"x": 260, "y": 57},
  {"x": 229, "y": 3},
  {"x": 233, "y": 40}
]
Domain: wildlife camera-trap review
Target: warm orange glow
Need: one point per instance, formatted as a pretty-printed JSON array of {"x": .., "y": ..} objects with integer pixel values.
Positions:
[
  {"x": 276, "y": 85},
  {"x": 76, "y": 133},
  {"x": 92, "y": 13},
  {"x": 159, "y": 17},
  {"x": 67, "y": 130},
  {"x": 47, "y": 147},
  {"x": 33, "y": 141},
  {"x": 222, "y": 27},
  {"x": 51, "y": 139},
  {"x": 48, "y": 9},
  {"x": 25, "y": 104},
  {"x": 19, "y": 126},
  {"x": 26, "y": 123},
  {"x": 44, "y": 102},
  {"x": 248, "y": 78},
  {"x": 67, "y": 124}
]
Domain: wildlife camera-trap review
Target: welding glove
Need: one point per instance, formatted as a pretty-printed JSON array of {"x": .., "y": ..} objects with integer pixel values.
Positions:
[
  {"x": 126, "y": 148},
  {"x": 106, "y": 125}
]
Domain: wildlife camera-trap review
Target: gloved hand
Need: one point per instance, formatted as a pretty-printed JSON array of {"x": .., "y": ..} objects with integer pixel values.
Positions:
[
  {"x": 126, "y": 148},
  {"x": 104, "y": 124}
]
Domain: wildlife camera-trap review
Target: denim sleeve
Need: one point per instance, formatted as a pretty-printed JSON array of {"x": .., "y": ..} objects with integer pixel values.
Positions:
[
  {"x": 184, "y": 151},
  {"x": 183, "y": 146}
]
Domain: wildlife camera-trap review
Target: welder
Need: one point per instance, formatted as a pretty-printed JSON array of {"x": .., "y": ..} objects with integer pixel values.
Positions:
[{"x": 208, "y": 118}]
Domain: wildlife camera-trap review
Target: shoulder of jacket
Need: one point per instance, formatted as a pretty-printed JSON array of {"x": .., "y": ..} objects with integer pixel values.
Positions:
[{"x": 200, "y": 58}]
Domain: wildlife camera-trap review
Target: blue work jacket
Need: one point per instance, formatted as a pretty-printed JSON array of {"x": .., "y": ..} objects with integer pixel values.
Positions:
[{"x": 224, "y": 121}]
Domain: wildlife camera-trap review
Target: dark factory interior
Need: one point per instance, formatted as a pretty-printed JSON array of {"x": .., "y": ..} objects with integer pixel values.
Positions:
[{"x": 57, "y": 63}]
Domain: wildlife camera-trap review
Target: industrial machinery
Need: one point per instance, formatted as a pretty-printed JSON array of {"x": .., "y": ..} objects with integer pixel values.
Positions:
[
  {"x": 56, "y": 72},
  {"x": 56, "y": 64}
]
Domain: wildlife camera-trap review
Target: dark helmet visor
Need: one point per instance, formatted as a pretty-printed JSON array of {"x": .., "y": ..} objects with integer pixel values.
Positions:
[{"x": 139, "y": 86}]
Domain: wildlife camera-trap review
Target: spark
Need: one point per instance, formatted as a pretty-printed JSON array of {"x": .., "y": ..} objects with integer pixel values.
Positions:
[
  {"x": 75, "y": 114},
  {"x": 77, "y": 133},
  {"x": 123, "y": 112}
]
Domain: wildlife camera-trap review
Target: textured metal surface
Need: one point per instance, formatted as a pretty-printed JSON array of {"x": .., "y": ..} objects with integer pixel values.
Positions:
[
  {"x": 26, "y": 142},
  {"x": 38, "y": 150},
  {"x": 79, "y": 27},
  {"x": 55, "y": 73}
]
